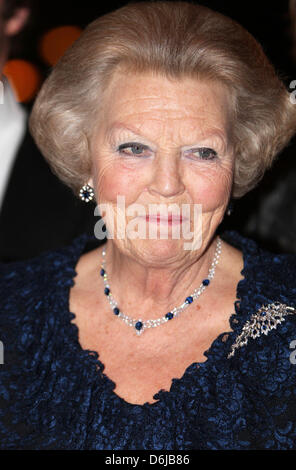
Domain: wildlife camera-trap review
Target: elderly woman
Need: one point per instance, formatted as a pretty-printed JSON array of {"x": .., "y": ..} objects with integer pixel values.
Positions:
[{"x": 155, "y": 342}]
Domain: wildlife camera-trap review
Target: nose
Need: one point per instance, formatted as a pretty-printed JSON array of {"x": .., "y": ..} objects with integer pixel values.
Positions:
[{"x": 166, "y": 177}]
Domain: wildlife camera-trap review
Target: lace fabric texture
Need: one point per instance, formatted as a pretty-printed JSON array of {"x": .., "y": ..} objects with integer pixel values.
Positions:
[{"x": 55, "y": 395}]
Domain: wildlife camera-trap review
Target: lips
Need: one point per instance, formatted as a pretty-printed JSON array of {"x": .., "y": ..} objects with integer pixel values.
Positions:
[{"x": 168, "y": 219}]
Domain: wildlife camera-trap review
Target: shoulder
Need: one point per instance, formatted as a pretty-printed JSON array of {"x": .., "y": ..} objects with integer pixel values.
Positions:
[
  {"x": 29, "y": 288},
  {"x": 270, "y": 273},
  {"x": 265, "y": 319},
  {"x": 22, "y": 277}
]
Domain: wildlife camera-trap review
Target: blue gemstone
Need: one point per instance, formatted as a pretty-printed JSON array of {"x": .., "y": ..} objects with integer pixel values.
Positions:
[
  {"x": 139, "y": 325},
  {"x": 102, "y": 272},
  {"x": 189, "y": 300},
  {"x": 206, "y": 282},
  {"x": 106, "y": 291},
  {"x": 86, "y": 194},
  {"x": 169, "y": 315},
  {"x": 116, "y": 310}
]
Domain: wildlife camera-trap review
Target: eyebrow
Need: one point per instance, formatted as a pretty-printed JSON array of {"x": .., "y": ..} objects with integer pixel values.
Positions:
[{"x": 117, "y": 127}]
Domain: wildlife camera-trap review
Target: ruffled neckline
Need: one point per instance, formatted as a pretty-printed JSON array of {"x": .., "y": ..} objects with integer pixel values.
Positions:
[{"x": 217, "y": 351}]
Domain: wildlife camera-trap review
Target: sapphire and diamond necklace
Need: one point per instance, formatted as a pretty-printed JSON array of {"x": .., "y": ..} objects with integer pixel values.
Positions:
[{"x": 141, "y": 325}]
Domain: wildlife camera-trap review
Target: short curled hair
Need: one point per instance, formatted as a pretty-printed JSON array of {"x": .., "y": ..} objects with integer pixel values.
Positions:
[{"x": 176, "y": 40}]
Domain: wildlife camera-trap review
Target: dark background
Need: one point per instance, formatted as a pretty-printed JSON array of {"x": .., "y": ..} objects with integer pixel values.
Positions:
[{"x": 270, "y": 23}]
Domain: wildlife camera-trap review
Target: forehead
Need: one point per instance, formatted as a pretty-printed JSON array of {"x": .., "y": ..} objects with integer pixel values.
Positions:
[{"x": 147, "y": 99}]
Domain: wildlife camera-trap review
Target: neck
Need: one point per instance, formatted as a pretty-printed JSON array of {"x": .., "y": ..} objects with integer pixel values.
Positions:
[{"x": 153, "y": 288}]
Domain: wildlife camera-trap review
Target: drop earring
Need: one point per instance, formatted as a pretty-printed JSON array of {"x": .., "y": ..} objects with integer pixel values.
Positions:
[
  {"x": 229, "y": 209},
  {"x": 86, "y": 193}
]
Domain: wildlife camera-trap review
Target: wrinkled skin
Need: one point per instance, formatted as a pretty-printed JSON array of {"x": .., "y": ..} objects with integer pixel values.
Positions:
[{"x": 171, "y": 118}]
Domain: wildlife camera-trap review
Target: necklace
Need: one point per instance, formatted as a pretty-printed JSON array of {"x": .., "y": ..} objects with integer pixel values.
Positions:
[{"x": 140, "y": 325}]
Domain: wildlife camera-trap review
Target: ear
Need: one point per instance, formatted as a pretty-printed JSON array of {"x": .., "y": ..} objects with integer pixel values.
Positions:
[
  {"x": 91, "y": 182},
  {"x": 17, "y": 22}
]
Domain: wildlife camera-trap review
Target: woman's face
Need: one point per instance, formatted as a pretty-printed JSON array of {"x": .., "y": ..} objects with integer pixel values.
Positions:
[{"x": 163, "y": 142}]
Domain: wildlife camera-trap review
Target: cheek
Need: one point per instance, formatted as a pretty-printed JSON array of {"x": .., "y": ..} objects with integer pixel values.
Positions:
[
  {"x": 116, "y": 180},
  {"x": 211, "y": 187}
]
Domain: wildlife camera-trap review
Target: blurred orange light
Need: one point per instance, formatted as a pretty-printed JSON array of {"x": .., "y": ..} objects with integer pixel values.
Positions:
[
  {"x": 55, "y": 42},
  {"x": 24, "y": 78}
]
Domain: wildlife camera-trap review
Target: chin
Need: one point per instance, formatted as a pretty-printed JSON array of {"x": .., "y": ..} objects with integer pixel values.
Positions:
[{"x": 159, "y": 251}]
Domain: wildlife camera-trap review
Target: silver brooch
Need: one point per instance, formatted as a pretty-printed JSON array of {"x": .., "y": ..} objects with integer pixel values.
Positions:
[{"x": 262, "y": 322}]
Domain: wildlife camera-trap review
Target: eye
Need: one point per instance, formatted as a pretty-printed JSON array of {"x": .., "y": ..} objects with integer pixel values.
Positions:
[
  {"x": 204, "y": 153},
  {"x": 134, "y": 149}
]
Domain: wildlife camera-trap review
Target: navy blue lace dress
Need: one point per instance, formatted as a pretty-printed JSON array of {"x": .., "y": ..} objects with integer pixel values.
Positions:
[{"x": 55, "y": 395}]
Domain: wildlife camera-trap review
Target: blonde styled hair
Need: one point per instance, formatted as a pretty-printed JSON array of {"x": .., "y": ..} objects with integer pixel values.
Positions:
[{"x": 176, "y": 40}]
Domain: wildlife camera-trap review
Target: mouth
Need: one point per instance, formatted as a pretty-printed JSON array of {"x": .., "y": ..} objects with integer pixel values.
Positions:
[{"x": 169, "y": 219}]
